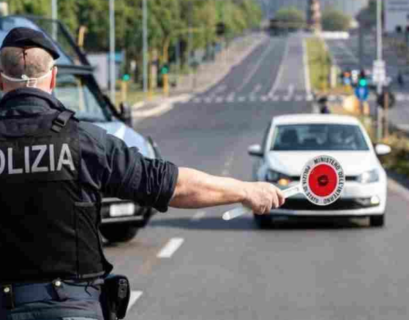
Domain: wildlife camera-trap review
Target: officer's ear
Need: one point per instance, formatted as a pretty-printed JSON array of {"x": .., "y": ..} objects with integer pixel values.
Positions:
[{"x": 53, "y": 83}]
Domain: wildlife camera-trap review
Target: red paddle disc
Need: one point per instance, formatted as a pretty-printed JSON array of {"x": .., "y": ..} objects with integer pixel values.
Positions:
[{"x": 322, "y": 180}]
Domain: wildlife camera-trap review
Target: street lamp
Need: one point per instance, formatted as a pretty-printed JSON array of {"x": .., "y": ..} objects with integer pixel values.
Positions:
[
  {"x": 112, "y": 49},
  {"x": 54, "y": 16},
  {"x": 145, "y": 46}
]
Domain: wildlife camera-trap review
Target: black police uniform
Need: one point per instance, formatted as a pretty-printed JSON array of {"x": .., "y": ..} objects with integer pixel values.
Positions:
[{"x": 53, "y": 170}]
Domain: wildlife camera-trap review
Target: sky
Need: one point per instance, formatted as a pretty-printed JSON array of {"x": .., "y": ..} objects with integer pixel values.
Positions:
[{"x": 351, "y": 7}]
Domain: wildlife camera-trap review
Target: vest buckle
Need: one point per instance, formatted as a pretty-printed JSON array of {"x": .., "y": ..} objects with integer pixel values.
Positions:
[{"x": 61, "y": 120}]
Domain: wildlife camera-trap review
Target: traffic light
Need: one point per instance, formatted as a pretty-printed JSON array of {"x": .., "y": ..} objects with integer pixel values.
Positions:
[
  {"x": 355, "y": 77},
  {"x": 220, "y": 29},
  {"x": 164, "y": 69},
  {"x": 126, "y": 77},
  {"x": 346, "y": 78},
  {"x": 363, "y": 81},
  {"x": 386, "y": 97}
]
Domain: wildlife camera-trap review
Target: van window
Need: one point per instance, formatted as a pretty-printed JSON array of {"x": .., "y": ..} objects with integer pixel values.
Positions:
[{"x": 74, "y": 94}]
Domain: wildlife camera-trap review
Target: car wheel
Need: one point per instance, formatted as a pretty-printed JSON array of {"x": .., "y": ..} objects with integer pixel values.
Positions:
[
  {"x": 262, "y": 222},
  {"x": 118, "y": 233},
  {"x": 377, "y": 221}
]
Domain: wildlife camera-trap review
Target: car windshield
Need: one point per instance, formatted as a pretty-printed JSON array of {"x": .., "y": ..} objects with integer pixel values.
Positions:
[
  {"x": 75, "y": 94},
  {"x": 317, "y": 137},
  {"x": 67, "y": 51}
]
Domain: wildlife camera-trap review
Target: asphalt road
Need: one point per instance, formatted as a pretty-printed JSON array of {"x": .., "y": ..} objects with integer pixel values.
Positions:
[
  {"x": 346, "y": 56},
  {"x": 190, "y": 264}
]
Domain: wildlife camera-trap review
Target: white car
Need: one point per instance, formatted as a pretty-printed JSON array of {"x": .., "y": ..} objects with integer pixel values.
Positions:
[{"x": 292, "y": 140}]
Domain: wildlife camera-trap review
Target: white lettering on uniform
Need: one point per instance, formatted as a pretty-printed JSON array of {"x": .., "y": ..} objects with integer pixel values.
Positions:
[
  {"x": 65, "y": 158},
  {"x": 65, "y": 151},
  {"x": 2, "y": 161},
  {"x": 52, "y": 159},
  {"x": 40, "y": 155},
  {"x": 10, "y": 163},
  {"x": 27, "y": 159}
]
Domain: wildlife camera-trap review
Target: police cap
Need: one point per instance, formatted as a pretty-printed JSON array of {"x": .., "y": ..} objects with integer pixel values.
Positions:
[{"x": 22, "y": 37}]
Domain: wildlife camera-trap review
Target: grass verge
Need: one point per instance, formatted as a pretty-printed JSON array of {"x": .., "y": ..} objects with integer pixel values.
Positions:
[
  {"x": 319, "y": 63},
  {"x": 398, "y": 160}
]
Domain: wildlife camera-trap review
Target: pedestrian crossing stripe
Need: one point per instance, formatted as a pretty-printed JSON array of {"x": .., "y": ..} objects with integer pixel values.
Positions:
[{"x": 279, "y": 98}]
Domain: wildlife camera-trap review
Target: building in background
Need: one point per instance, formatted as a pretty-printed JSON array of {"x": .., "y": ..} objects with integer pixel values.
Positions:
[{"x": 350, "y": 7}]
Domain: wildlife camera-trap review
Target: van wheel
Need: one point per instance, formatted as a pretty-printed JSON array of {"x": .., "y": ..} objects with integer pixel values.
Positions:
[
  {"x": 377, "y": 221},
  {"x": 118, "y": 233}
]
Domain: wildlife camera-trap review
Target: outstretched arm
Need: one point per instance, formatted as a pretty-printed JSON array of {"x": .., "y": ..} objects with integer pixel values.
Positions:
[{"x": 196, "y": 189}]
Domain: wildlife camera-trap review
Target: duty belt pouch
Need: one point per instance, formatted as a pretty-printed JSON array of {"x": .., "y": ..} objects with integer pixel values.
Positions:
[{"x": 115, "y": 297}]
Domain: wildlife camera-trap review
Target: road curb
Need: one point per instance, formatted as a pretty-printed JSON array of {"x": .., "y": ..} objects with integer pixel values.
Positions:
[
  {"x": 162, "y": 108},
  {"x": 397, "y": 188}
]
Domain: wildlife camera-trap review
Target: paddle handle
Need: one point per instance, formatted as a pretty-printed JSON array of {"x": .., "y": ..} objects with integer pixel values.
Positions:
[{"x": 237, "y": 212}]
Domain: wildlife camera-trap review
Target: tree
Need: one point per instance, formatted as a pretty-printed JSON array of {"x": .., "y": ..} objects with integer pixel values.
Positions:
[
  {"x": 335, "y": 20},
  {"x": 291, "y": 16}
]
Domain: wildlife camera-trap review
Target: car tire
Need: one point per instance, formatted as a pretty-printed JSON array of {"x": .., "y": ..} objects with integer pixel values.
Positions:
[
  {"x": 377, "y": 221},
  {"x": 263, "y": 222},
  {"x": 118, "y": 233}
]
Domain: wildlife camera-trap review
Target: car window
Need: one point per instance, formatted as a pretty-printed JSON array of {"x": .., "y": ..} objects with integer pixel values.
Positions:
[
  {"x": 315, "y": 137},
  {"x": 73, "y": 92}
]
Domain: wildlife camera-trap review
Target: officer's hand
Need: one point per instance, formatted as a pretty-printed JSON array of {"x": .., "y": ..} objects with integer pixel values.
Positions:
[{"x": 262, "y": 197}]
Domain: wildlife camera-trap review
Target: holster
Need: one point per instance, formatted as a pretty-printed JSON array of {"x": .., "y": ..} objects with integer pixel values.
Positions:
[{"x": 115, "y": 296}]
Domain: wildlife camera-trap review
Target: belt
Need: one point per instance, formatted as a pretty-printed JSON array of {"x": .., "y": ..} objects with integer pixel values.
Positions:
[{"x": 14, "y": 295}]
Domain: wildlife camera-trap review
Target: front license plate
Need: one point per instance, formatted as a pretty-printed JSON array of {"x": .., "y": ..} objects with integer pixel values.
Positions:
[{"x": 120, "y": 210}]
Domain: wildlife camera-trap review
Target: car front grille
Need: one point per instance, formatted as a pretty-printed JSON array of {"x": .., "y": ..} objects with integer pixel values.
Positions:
[{"x": 341, "y": 204}]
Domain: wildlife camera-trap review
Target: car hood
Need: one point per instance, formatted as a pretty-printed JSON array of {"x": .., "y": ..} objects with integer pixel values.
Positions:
[
  {"x": 292, "y": 163},
  {"x": 128, "y": 135}
]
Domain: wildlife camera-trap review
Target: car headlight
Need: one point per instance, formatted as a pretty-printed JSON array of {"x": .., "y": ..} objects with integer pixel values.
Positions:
[
  {"x": 369, "y": 176},
  {"x": 277, "y": 177}
]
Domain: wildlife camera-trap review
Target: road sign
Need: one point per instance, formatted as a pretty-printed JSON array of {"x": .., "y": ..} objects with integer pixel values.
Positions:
[
  {"x": 362, "y": 93},
  {"x": 379, "y": 72},
  {"x": 396, "y": 14},
  {"x": 322, "y": 182}
]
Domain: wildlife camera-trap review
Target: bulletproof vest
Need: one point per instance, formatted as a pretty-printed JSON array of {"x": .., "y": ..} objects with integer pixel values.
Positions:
[{"x": 46, "y": 230}]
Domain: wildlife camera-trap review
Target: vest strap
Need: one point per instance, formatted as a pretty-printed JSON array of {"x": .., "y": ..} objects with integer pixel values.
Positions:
[{"x": 62, "y": 119}]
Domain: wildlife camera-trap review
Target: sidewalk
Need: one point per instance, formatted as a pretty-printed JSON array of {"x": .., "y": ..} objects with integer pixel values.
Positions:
[{"x": 207, "y": 75}]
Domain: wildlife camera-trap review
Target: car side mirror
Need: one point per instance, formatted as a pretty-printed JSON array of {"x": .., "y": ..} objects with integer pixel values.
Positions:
[
  {"x": 255, "y": 151},
  {"x": 126, "y": 113},
  {"x": 382, "y": 149}
]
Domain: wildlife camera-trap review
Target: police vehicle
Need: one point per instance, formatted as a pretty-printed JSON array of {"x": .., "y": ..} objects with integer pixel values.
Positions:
[{"x": 78, "y": 90}]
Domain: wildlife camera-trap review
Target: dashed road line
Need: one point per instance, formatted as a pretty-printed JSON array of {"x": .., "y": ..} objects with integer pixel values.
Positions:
[
  {"x": 170, "y": 248},
  {"x": 199, "y": 215}
]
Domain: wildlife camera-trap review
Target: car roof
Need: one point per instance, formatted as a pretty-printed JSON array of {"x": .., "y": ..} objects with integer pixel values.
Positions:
[{"x": 314, "y": 118}]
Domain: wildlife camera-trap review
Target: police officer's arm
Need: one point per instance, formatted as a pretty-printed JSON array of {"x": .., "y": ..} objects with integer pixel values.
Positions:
[
  {"x": 160, "y": 184},
  {"x": 196, "y": 189}
]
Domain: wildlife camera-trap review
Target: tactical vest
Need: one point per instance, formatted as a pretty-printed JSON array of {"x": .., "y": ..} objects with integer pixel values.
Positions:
[{"x": 46, "y": 230}]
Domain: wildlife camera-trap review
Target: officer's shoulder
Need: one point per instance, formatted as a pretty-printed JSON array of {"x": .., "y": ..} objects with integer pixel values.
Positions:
[{"x": 92, "y": 131}]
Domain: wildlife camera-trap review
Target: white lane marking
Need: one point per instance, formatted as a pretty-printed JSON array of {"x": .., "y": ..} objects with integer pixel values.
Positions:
[
  {"x": 199, "y": 215},
  {"x": 230, "y": 98},
  {"x": 264, "y": 98},
  {"x": 310, "y": 97},
  {"x": 251, "y": 74},
  {"x": 290, "y": 92},
  {"x": 135, "y": 295},
  {"x": 280, "y": 71},
  {"x": 253, "y": 98},
  {"x": 242, "y": 99},
  {"x": 170, "y": 248},
  {"x": 299, "y": 98},
  {"x": 219, "y": 99},
  {"x": 275, "y": 98},
  {"x": 348, "y": 51},
  {"x": 256, "y": 89},
  {"x": 208, "y": 100},
  {"x": 306, "y": 69}
]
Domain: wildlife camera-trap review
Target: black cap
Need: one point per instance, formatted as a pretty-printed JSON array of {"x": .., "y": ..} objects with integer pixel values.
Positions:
[{"x": 25, "y": 37}]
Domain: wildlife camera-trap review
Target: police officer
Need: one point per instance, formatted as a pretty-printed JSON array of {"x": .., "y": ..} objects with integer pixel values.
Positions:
[{"x": 53, "y": 169}]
